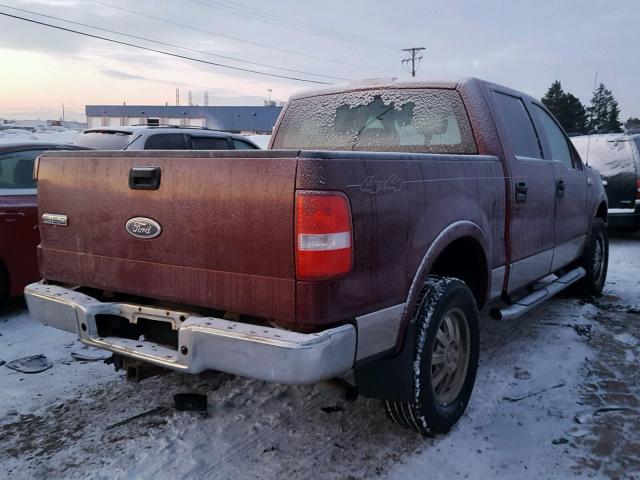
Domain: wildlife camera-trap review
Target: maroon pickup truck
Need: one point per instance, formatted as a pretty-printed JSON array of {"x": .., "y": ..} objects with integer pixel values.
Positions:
[{"x": 384, "y": 216}]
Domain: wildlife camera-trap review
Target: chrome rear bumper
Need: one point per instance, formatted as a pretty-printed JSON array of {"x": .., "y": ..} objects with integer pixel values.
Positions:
[{"x": 204, "y": 343}]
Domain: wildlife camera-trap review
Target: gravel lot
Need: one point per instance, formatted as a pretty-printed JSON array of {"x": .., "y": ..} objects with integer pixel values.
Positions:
[{"x": 557, "y": 396}]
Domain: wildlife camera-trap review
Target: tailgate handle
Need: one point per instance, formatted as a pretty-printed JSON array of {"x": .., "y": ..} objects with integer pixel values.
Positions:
[
  {"x": 144, "y": 178},
  {"x": 11, "y": 216}
]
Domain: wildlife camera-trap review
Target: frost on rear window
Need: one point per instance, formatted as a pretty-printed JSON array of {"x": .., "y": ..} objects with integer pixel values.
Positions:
[{"x": 385, "y": 120}]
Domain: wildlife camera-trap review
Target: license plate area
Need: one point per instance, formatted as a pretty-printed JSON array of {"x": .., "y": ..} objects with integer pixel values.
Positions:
[{"x": 144, "y": 330}]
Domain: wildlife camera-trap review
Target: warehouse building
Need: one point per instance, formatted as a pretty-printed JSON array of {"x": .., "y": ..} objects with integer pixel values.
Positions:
[{"x": 248, "y": 120}]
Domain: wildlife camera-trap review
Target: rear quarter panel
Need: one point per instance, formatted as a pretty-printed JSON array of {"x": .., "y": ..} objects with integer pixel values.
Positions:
[{"x": 400, "y": 203}]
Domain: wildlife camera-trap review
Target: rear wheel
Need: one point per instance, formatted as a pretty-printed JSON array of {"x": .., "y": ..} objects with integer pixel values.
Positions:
[
  {"x": 595, "y": 260},
  {"x": 445, "y": 361}
]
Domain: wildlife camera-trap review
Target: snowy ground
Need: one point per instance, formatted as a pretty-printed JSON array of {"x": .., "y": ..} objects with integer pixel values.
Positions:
[{"x": 538, "y": 376}]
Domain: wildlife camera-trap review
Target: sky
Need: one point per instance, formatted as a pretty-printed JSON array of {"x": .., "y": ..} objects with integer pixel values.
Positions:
[{"x": 523, "y": 44}]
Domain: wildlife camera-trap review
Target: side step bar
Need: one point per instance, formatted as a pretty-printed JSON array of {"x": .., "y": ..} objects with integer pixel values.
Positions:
[{"x": 535, "y": 298}]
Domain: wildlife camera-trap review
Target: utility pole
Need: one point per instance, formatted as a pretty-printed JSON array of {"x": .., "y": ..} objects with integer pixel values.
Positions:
[
  {"x": 190, "y": 100},
  {"x": 412, "y": 59},
  {"x": 177, "y": 97},
  {"x": 63, "y": 112},
  {"x": 206, "y": 99}
]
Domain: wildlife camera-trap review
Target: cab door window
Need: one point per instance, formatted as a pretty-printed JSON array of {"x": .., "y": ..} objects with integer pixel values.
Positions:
[
  {"x": 558, "y": 143},
  {"x": 517, "y": 121}
]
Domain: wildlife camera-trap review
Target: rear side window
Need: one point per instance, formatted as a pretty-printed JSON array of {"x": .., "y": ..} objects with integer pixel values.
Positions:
[
  {"x": 209, "y": 143},
  {"x": 242, "y": 145},
  {"x": 557, "y": 141},
  {"x": 166, "y": 141},
  {"x": 519, "y": 126},
  {"x": 385, "y": 120},
  {"x": 104, "y": 140},
  {"x": 16, "y": 172}
]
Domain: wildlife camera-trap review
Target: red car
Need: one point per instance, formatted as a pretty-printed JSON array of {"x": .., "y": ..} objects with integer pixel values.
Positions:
[{"x": 19, "y": 235}]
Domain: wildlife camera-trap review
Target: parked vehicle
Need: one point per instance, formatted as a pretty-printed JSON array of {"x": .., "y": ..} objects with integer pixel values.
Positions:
[
  {"x": 616, "y": 157},
  {"x": 162, "y": 137},
  {"x": 19, "y": 216},
  {"x": 383, "y": 218}
]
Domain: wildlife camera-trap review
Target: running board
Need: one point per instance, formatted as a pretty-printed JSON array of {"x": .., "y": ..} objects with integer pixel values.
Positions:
[{"x": 535, "y": 298}]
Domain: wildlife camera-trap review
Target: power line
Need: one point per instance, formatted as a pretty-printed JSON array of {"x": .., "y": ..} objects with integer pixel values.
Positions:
[
  {"x": 176, "y": 55},
  {"x": 171, "y": 44},
  {"x": 263, "y": 13},
  {"x": 267, "y": 17},
  {"x": 235, "y": 39},
  {"x": 413, "y": 59}
]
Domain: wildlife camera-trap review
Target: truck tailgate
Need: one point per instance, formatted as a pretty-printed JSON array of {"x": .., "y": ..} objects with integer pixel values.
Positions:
[{"x": 226, "y": 220}]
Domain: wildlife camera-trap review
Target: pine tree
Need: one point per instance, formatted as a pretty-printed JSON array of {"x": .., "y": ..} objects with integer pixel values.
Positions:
[
  {"x": 613, "y": 120},
  {"x": 632, "y": 123},
  {"x": 604, "y": 113},
  {"x": 574, "y": 116},
  {"x": 553, "y": 98},
  {"x": 567, "y": 108}
]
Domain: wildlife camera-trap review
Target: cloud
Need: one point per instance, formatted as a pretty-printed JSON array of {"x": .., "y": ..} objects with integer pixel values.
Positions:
[{"x": 123, "y": 75}]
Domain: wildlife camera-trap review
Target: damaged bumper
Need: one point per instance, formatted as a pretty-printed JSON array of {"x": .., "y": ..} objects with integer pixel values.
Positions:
[{"x": 203, "y": 343}]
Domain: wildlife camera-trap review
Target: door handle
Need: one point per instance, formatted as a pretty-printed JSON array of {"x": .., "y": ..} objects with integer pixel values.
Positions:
[
  {"x": 560, "y": 187},
  {"x": 521, "y": 192},
  {"x": 11, "y": 216},
  {"x": 144, "y": 178}
]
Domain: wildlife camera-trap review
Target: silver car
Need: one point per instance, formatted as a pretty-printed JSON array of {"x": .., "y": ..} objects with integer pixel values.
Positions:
[{"x": 148, "y": 137}]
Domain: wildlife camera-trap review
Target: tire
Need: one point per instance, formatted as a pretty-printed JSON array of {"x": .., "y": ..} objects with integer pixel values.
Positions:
[
  {"x": 443, "y": 375},
  {"x": 595, "y": 261}
]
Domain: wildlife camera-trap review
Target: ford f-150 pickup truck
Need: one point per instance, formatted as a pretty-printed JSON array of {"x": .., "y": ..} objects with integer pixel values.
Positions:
[{"x": 383, "y": 217}]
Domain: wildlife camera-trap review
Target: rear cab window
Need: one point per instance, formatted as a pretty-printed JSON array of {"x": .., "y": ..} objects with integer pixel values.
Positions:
[
  {"x": 105, "y": 140},
  {"x": 16, "y": 173},
  {"x": 427, "y": 120}
]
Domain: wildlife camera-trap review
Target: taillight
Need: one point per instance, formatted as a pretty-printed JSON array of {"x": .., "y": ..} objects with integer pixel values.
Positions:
[
  {"x": 323, "y": 235},
  {"x": 638, "y": 189}
]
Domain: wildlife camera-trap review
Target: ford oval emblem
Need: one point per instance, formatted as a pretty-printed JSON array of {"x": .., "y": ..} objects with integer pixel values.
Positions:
[{"x": 143, "y": 227}]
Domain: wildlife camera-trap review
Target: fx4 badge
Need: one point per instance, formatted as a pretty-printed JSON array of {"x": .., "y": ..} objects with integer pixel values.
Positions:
[{"x": 391, "y": 184}]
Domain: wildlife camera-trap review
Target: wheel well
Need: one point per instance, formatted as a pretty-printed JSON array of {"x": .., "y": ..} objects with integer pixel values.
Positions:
[
  {"x": 602, "y": 211},
  {"x": 464, "y": 258}
]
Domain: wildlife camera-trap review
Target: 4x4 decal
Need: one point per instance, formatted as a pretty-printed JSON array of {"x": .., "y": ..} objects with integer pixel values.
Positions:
[{"x": 391, "y": 184}]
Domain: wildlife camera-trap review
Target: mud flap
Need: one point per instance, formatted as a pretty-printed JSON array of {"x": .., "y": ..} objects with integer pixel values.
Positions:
[{"x": 390, "y": 378}]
